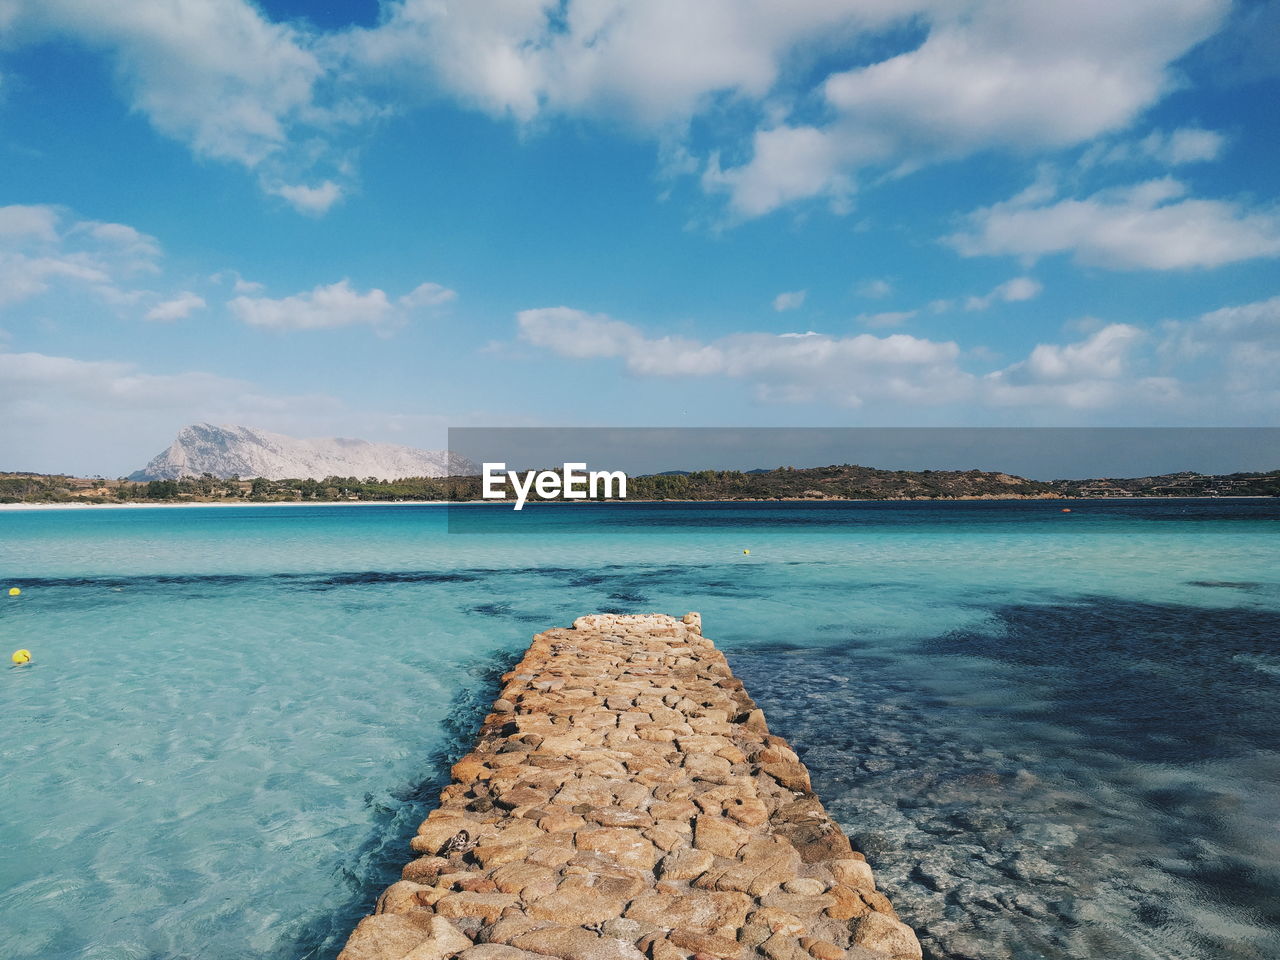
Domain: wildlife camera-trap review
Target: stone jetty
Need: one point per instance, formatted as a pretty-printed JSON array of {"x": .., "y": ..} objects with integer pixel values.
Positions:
[{"x": 626, "y": 801}]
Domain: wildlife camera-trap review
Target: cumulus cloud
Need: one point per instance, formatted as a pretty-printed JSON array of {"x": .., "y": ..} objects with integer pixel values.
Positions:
[
  {"x": 22, "y": 222},
  {"x": 793, "y": 367},
  {"x": 238, "y": 283},
  {"x": 225, "y": 80},
  {"x": 876, "y": 289},
  {"x": 1011, "y": 291},
  {"x": 1101, "y": 356},
  {"x": 650, "y": 64},
  {"x": 24, "y": 376},
  {"x": 336, "y": 305},
  {"x": 994, "y": 74},
  {"x": 112, "y": 413},
  {"x": 1090, "y": 374},
  {"x": 1229, "y": 354},
  {"x": 1152, "y": 225},
  {"x": 217, "y": 75},
  {"x": 23, "y": 277},
  {"x": 179, "y": 308},
  {"x": 325, "y": 307},
  {"x": 787, "y": 164},
  {"x": 1240, "y": 343},
  {"x": 135, "y": 250},
  {"x": 43, "y": 245},
  {"x": 1173, "y": 148},
  {"x": 576, "y": 333},
  {"x": 237, "y": 86},
  {"x": 789, "y": 300},
  {"x": 313, "y": 200},
  {"x": 428, "y": 295}
]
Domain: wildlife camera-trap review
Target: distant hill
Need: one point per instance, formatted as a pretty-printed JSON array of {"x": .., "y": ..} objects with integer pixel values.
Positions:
[
  {"x": 231, "y": 451},
  {"x": 836, "y": 482},
  {"x": 1185, "y": 484}
]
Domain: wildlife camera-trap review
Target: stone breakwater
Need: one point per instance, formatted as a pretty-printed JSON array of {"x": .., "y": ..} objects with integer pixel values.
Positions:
[{"x": 625, "y": 801}]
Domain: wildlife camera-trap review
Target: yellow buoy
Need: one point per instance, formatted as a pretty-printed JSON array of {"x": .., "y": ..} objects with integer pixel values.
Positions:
[
  {"x": 14, "y": 591},
  {"x": 21, "y": 656},
  {"x": 746, "y": 551}
]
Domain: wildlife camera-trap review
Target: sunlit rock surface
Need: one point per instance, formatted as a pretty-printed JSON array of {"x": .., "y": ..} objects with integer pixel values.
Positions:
[
  {"x": 230, "y": 451},
  {"x": 626, "y": 801}
]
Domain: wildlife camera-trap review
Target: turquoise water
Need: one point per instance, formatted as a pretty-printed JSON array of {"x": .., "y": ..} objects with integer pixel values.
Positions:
[{"x": 1056, "y": 735}]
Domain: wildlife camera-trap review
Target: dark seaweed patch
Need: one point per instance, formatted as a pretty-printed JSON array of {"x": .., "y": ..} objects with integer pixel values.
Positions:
[
  {"x": 1152, "y": 682},
  {"x": 1046, "y": 784},
  {"x": 1227, "y": 584},
  {"x": 492, "y": 609},
  {"x": 413, "y": 576}
]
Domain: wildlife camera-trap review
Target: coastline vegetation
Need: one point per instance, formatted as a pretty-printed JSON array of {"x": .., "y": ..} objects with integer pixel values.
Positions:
[{"x": 836, "y": 482}]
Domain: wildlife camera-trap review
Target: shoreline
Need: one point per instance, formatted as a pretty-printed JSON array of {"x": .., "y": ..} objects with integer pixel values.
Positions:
[{"x": 169, "y": 505}]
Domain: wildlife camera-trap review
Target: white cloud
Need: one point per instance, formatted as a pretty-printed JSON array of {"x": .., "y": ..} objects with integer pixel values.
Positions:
[
  {"x": 793, "y": 367},
  {"x": 23, "y": 277},
  {"x": 428, "y": 295},
  {"x": 1151, "y": 225},
  {"x": 575, "y": 333},
  {"x": 1230, "y": 353},
  {"x": 1185, "y": 145},
  {"x": 179, "y": 308},
  {"x": 1091, "y": 374},
  {"x": 277, "y": 97},
  {"x": 222, "y": 78},
  {"x": 19, "y": 222},
  {"x": 238, "y": 283},
  {"x": 311, "y": 200},
  {"x": 1001, "y": 73},
  {"x": 135, "y": 250},
  {"x": 215, "y": 74},
  {"x": 25, "y": 376},
  {"x": 1011, "y": 291},
  {"x": 1252, "y": 322},
  {"x": 41, "y": 246},
  {"x": 115, "y": 416},
  {"x": 876, "y": 289},
  {"x": 649, "y": 64},
  {"x": 1101, "y": 356},
  {"x": 63, "y": 414},
  {"x": 1241, "y": 344},
  {"x": 787, "y": 164},
  {"x": 336, "y": 305},
  {"x": 789, "y": 300},
  {"x": 325, "y": 307}
]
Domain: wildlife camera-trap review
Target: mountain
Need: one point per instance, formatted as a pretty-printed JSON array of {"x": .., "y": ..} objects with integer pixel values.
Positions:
[{"x": 240, "y": 451}]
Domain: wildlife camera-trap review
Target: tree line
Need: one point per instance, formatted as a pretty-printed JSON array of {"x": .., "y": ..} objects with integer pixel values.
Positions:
[{"x": 839, "y": 481}]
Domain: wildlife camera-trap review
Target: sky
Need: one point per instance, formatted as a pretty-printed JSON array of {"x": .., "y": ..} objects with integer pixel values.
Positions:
[{"x": 385, "y": 219}]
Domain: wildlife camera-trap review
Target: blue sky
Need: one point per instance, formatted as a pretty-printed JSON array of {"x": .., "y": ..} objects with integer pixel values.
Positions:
[{"x": 381, "y": 220}]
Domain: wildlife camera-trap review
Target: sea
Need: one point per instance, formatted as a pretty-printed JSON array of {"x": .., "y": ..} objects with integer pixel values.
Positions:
[{"x": 1053, "y": 735}]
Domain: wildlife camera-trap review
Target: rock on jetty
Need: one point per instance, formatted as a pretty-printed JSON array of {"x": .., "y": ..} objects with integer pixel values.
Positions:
[{"x": 626, "y": 801}]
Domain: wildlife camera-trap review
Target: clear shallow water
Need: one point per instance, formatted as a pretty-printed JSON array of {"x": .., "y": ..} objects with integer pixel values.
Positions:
[{"x": 1055, "y": 735}]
